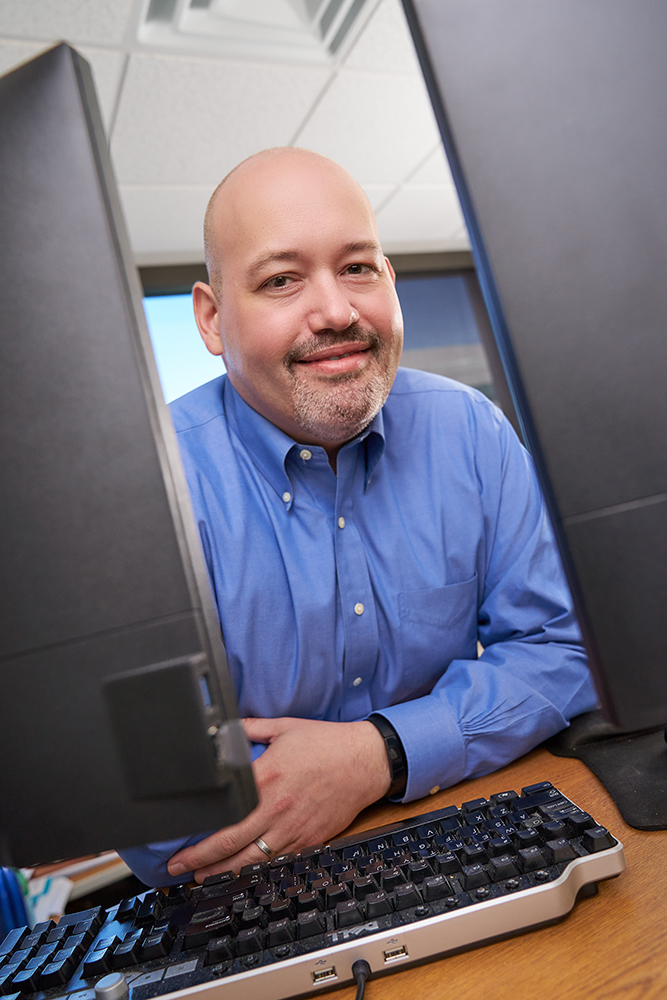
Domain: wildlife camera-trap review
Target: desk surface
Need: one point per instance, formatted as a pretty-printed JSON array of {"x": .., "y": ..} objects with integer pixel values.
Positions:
[{"x": 610, "y": 946}]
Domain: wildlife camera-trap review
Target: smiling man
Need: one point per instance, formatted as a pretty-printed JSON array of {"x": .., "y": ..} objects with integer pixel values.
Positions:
[
  {"x": 363, "y": 528},
  {"x": 302, "y": 304}
]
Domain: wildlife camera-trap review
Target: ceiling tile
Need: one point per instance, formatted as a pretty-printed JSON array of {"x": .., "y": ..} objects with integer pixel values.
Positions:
[
  {"x": 191, "y": 120},
  {"x": 92, "y": 21},
  {"x": 385, "y": 45},
  {"x": 422, "y": 219},
  {"x": 435, "y": 170},
  {"x": 165, "y": 224},
  {"x": 376, "y": 125},
  {"x": 378, "y": 193}
]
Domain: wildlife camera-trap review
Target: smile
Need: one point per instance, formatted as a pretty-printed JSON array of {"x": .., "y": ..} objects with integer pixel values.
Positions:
[{"x": 323, "y": 356}]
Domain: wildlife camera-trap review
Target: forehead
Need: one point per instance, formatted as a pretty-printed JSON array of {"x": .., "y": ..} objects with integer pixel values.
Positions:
[{"x": 286, "y": 204}]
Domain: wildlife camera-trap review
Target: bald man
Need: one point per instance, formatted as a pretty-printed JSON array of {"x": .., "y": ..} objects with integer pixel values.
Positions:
[{"x": 363, "y": 525}]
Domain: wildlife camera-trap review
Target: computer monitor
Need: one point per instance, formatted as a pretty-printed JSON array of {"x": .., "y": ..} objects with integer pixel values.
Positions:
[
  {"x": 119, "y": 719},
  {"x": 552, "y": 118}
]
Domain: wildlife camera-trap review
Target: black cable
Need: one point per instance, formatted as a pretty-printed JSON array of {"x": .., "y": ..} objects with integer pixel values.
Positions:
[{"x": 361, "y": 970}]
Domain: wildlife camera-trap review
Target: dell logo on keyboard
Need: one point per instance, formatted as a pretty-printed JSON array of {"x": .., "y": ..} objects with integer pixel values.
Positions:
[{"x": 349, "y": 933}]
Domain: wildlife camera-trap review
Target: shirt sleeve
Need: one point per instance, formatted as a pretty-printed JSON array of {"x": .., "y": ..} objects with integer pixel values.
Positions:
[{"x": 532, "y": 675}]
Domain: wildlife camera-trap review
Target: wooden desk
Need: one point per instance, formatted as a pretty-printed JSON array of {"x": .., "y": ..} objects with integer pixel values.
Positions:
[{"x": 612, "y": 946}]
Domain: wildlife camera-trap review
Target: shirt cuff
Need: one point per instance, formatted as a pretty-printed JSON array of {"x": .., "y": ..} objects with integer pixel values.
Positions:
[
  {"x": 149, "y": 863},
  {"x": 433, "y": 745}
]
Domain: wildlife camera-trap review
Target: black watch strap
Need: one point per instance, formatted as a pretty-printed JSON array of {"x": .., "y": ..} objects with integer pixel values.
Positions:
[{"x": 395, "y": 755}]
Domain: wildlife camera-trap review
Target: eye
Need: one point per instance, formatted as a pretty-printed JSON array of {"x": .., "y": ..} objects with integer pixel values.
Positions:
[
  {"x": 358, "y": 268},
  {"x": 278, "y": 281}
]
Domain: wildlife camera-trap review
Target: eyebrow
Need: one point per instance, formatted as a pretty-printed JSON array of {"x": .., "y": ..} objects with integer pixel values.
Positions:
[{"x": 287, "y": 256}]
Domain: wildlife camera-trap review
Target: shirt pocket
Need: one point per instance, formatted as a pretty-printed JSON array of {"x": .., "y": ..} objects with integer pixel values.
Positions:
[
  {"x": 438, "y": 625},
  {"x": 452, "y": 608}
]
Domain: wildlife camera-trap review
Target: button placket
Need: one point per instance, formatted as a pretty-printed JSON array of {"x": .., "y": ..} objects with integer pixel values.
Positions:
[{"x": 360, "y": 627}]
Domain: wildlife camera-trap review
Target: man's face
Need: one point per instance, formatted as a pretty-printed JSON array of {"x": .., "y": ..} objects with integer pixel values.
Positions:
[{"x": 309, "y": 322}]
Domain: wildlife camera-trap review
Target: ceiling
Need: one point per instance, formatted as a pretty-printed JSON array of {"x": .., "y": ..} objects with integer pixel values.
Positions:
[{"x": 181, "y": 108}]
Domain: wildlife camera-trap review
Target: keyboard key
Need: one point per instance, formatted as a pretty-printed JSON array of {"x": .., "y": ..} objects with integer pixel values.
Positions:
[
  {"x": 502, "y": 867},
  {"x": 560, "y": 850},
  {"x": 126, "y": 954},
  {"x": 436, "y": 887},
  {"x": 526, "y": 838},
  {"x": 596, "y": 839},
  {"x": 579, "y": 821},
  {"x": 254, "y": 916},
  {"x": 407, "y": 895},
  {"x": 378, "y": 904},
  {"x": 27, "y": 980},
  {"x": 280, "y": 932},
  {"x": 13, "y": 939},
  {"x": 474, "y": 805},
  {"x": 149, "y": 910},
  {"x": 281, "y": 909},
  {"x": 349, "y": 913},
  {"x": 308, "y": 900},
  {"x": 447, "y": 864},
  {"x": 378, "y": 844},
  {"x": 418, "y": 871},
  {"x": 56, "y": 973},
  {"x": 250, "y": 940},
  {"x": 178, "y": 894},
  {"x": 473, "y": 876},
  {"x": 310, "y": 923},
  {"x": 220, "y": 950},
  {"x": 197, "y": 935},
  {"x": 334, "y": 894},
  {"x": 362, "y": 886},
  {"x": 530, "y": 859}
]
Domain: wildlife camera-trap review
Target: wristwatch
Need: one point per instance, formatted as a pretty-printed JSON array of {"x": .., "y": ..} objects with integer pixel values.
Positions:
[{"x": 395, "y": 755}]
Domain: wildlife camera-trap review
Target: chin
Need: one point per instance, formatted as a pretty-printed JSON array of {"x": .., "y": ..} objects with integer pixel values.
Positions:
[{"x": 339, "y": 412}]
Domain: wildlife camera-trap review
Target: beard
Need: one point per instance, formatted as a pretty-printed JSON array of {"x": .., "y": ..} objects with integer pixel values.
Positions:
[{"x": 338, "y": 407}]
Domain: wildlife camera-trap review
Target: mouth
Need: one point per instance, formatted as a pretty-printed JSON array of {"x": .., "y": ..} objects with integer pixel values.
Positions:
[
  {"x": 346, "y": 361},
  {"x": 335, "y": 354}
]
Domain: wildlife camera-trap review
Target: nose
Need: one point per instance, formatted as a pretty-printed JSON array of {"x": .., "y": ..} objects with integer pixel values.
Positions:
[{"x": 330, "y": 306}]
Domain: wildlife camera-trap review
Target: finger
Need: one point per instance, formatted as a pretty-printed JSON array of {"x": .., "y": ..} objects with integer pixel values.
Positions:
[
  {"x": 250, "y": 855},
  {"x": 220, "y": 845},
  {"x": 263, "y": 730}
]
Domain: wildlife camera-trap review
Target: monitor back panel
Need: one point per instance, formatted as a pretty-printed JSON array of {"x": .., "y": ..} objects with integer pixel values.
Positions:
[
  {"x": 552, "y": 114},
  {"x": 100, "y": 569}
]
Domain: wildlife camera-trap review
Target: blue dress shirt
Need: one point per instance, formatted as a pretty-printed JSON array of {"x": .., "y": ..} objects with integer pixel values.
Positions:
[{"x": 368, "y": 590}]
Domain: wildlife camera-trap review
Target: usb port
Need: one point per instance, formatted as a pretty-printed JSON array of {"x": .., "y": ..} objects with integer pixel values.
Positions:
[
  {"x": 394, "y": 954},
  {"x": 325, "y": 976}
]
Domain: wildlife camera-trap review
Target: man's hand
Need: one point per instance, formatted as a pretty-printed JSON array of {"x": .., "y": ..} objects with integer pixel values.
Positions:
[{"x": 313, "y": 779}]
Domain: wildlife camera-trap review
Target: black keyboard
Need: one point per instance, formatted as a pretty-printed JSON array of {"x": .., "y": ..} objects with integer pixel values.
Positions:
[{"x": 401, "y": 893}]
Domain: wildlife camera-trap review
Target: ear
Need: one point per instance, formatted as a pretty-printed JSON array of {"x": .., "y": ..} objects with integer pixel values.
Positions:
[
  {"x": 392, "y": 273},
  {"x": 205, "y": 306}
]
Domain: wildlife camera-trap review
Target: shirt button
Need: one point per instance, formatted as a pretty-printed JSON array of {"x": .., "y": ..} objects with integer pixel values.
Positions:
[
  {"x": 287, "y": 497},
  {"x": 358, "y": 609},
  {"x": 436, "y": 788},
  {"x": 357, "y": 681},
  {"x": 305, "y": 454},
  {"x": 341, "y": 522}
]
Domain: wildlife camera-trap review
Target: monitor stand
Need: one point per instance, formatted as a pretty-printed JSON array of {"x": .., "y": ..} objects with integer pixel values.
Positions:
[{"x": 632, "y": 766}]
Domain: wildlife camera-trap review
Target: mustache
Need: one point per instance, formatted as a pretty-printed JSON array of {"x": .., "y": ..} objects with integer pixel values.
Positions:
[{"x": 332, "y": 338}]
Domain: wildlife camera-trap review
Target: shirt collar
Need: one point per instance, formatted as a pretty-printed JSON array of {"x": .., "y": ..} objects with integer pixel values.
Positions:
[{"x": 268, "y": 446}]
